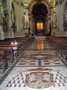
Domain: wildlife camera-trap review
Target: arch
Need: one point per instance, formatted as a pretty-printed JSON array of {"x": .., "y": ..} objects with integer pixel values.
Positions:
[
  {"x": 31, "y": 19},
  {"x": 33, "y": 2},
  {"x": 39, "y": 9}
]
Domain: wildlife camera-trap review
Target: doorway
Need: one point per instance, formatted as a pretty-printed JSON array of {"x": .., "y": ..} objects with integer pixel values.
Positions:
[{"x": 39, "y": 14}]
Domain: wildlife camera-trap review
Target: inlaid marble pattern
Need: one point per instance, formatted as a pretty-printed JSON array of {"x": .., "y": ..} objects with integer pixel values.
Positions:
[
  {"x": 44, "y": 60},
  {"x": 38, "y": 78},
  {"x": 37, "y": 69}
]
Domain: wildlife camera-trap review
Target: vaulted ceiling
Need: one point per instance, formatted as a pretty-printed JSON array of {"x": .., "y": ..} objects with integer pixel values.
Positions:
[{"x": 26, "y": 2}]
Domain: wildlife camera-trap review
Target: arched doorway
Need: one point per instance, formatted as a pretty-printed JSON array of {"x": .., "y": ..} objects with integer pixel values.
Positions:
[
  {"x": 39, "y": 14},
  {"x": 39, "y": 17}
]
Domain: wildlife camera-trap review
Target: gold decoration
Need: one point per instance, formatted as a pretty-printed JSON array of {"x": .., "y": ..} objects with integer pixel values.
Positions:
[{"x": 40, "y": 26}]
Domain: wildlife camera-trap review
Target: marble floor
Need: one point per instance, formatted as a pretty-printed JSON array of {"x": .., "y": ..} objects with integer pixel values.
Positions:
[{"x": 40, "y": 68}]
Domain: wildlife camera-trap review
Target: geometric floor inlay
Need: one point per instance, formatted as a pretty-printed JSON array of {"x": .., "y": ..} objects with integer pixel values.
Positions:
[
  {"x": 42, "y": 61},
  {"x": 38, "y": 78},
  {"x": 17, "y": 81},
  {"x": 39, "y": 69}
]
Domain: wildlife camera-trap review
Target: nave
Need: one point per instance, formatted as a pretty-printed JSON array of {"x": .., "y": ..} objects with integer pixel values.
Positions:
[{"x": 40, "y": 67}]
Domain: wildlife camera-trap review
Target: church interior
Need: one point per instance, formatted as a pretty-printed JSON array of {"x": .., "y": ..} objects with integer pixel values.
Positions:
[{"x": 33, "y": 44}]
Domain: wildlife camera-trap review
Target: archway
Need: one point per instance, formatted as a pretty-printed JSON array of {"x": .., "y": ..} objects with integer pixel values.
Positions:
[
  {"x": 39, "y": 14},
  {"x": 39, "y": 11}
]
